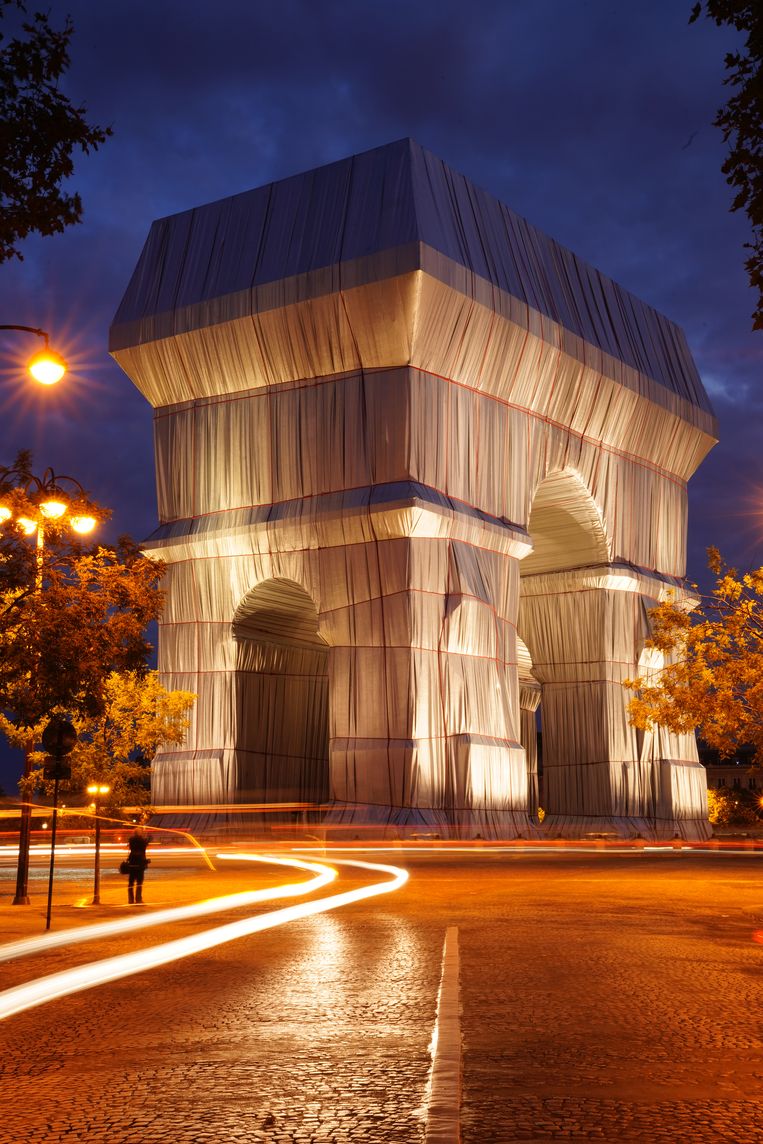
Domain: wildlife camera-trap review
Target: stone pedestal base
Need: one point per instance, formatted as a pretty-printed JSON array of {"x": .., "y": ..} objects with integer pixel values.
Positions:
[
  {"x": 355, "y": 820},
  {"x": 615, "y": 828}
]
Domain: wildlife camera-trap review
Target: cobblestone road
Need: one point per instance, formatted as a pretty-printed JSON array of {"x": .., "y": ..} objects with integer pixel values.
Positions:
[
  {"x": 617, "y": 1003},
  {"x": 604, "y": 998}
]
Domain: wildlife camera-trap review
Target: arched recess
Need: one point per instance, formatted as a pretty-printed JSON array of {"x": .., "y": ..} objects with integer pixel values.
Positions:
[
  {"x": 557, "y": 624},
  {"x": 529, "y": 701},
  {"x": 565, "y": 527},
  {"x": 282, "y": 738}
]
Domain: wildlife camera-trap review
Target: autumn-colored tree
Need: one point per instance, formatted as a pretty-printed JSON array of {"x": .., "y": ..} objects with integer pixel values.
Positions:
[
  {"x": 71, "y": 612},
  {"x": 731, "y": 806},
  {"x": 138, "y": 716},
  {"x": 711, "y": 673}
]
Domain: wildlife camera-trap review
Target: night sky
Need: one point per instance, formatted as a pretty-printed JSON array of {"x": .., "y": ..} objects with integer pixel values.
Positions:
[{"x": 591, "y": 118}]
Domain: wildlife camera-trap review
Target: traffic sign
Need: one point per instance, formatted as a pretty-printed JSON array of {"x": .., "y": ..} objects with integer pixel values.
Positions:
[{"x": 59, "y": 737}]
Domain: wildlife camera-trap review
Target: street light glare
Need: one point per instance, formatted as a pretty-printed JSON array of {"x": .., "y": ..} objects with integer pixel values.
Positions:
[
  {"x": 5, "y": 513},
  {"x": 29, "y": 526},
  {"x": 83, "y": 524},
  {"x": 53, "y": 509},
  {"x": 47, "y": 367}
]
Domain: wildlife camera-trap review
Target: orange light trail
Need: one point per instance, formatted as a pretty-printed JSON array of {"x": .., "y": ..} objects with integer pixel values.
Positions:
[
  {"x": 47, "y": 941},
  {"x": 69, "y": 981}
]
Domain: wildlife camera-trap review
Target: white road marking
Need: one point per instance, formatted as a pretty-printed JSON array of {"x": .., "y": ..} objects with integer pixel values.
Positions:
[{"x": 444, "y": 1107}]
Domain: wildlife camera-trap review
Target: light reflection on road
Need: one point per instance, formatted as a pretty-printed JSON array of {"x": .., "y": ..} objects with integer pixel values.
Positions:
[
  {"x": 69, "y": 981},
  {"x": 324, "y": 964}
]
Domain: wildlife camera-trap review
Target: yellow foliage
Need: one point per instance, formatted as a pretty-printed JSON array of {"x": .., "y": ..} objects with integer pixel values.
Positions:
[
  {"x": 713, "y": 678},
  {"x": 139, "y": 715},
  {"x": 731, "y": 806}
]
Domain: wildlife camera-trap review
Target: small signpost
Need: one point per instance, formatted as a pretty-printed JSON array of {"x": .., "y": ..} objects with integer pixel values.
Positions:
[
  {"x": 53, "y": 769},
  {"x": 58, "y": 739}
]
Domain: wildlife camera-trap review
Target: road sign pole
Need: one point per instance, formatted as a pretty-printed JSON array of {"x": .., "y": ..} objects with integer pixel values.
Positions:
[
  {"x": 52, "y": 850},
  {"x": 59, "y": 739},
  {"x": 97, "y": 870},
  {"x": 25, "y": 838}
]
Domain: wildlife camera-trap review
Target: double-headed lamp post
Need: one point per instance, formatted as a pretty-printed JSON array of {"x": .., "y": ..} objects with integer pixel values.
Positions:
[
  {"x": 98, "y": 790},
  {"x": 46, "y": 503},
  {"x": 46, "y": 366}
]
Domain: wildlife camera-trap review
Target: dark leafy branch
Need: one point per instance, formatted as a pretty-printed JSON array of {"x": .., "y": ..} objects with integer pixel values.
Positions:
[
  {"x": 40, "y": 129},
  {"x": 741, "y": 121}
]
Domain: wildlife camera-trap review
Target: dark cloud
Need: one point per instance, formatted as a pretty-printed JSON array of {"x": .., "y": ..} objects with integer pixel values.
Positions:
[{"x": 592, "y": 119}]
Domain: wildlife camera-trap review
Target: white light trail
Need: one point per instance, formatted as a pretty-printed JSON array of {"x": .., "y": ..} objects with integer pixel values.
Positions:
[
  {"x": 87, "y": 848},
  {"x": 68, "y": 849},
  {"x": 321, "y": 876},
  {"x": 69, "y": 981}
]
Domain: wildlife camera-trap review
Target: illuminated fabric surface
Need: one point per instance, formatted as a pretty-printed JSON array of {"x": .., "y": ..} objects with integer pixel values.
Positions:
[{"x": 396, "y": 428}]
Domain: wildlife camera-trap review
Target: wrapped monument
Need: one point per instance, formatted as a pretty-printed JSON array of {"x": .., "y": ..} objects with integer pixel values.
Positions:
[{"x": 420, "y": 469}]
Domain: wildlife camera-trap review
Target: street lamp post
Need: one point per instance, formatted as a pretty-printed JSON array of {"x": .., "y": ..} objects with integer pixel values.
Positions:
[
  {"x": 47, "y": 504},
  {"x": 97, "y": 790},
  {"x": 59, "y": 738},
  {"x": 47, "y": 366}
]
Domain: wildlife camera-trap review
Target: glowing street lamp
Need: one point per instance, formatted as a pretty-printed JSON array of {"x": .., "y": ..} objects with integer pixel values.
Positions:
[
  {"x": 46, "y": 504},
  {"x": 47, "y": 367},
  {"x": 50, "y": 504},
  {"x": 98, "y": 790},
  {"x": 83, "y": 524},
  {"x": 53, "y": 509}
]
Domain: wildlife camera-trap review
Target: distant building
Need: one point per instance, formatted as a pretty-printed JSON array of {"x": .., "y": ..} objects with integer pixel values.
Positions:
[{"x": 738, "y": 771}]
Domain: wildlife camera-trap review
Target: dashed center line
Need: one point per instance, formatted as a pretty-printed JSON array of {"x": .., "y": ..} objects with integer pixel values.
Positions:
[{"x": 444, "y": 1110}]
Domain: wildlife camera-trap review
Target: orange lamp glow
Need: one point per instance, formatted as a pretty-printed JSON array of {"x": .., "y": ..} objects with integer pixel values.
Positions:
[
  {"x": 83, "y": 524},
  {"x": 53, "y": 509},
  {"x": 5, "y": 513},
  {"x": 47, "y": 367},
  {"x": 29, "y": 526}
]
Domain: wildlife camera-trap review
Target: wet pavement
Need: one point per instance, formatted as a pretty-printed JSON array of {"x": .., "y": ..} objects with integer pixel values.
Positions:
[{"x": 604, "y": 997}]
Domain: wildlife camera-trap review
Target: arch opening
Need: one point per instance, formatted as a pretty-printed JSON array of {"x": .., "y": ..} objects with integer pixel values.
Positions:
[
  {"x": 281, "y": 696},
  {"x": 567, "y": 533},
  {"x": 529, "y": 724},
  {"x": 565, "y": 527}
]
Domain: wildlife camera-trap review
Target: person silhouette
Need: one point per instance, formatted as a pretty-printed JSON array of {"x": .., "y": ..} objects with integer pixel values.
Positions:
[{"x": 137, "y": 863}]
